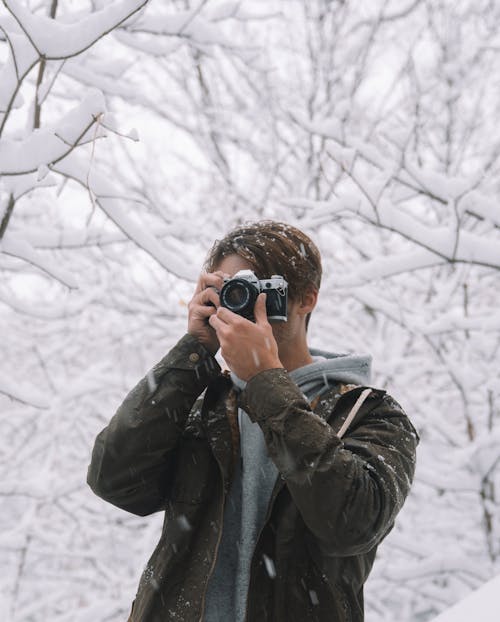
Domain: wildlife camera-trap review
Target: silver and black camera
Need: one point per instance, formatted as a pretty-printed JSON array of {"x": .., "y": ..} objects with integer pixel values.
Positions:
[{"x": 240, "y": 292}]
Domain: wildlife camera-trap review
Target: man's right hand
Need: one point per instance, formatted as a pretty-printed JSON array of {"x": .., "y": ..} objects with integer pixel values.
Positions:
[{"x": 203, "y": 304}]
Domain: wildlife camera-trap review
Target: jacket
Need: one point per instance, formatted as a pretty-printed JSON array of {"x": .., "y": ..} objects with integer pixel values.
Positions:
[{"x": 334, "y": 501}]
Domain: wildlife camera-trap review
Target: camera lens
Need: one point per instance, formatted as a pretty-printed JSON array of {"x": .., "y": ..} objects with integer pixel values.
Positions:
[
  {"x": 236, "y": 297},
  {"x": 239, "y": 296}
]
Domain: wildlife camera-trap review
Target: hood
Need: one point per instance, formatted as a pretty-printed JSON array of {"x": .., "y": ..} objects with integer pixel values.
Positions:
[{"x": 327, "y": 370}]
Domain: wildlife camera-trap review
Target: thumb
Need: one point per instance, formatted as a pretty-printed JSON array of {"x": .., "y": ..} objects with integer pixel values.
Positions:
[{"x": 260, "y": 309}]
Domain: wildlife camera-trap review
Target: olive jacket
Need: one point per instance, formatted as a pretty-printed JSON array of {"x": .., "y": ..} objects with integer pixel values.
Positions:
[{"x": 333, "y": 503}]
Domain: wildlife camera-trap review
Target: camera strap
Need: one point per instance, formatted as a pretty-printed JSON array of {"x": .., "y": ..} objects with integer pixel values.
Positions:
[{"x": 353, "y": 412}]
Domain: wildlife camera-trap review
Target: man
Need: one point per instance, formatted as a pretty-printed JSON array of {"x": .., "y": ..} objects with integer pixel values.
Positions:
[{"x": 281, "y": 480}]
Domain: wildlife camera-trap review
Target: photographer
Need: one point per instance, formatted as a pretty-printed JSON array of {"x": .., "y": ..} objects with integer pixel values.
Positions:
[{"x": 279, "y": 482}]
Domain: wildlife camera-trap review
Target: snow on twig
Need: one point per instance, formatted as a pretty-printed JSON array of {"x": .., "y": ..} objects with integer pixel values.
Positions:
[
  {"x": 55, "y": 40},
  {"x": 18, "y": 391},
  {"x": 49, "y": 145},
  {"x": 109, "y": 199},
  {"x": 20, "y": 248}
]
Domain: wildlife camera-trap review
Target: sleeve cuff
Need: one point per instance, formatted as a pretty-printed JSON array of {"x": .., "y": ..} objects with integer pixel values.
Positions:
[
  {"x": 269, "y": 393},
  {"x": 190, "y": 355}
]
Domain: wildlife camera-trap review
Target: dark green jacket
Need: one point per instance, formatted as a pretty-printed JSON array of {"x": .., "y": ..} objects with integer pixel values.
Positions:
[{"x": 333, "y": 503}]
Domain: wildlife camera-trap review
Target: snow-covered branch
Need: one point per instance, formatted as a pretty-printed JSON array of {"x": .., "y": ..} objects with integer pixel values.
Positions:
[
  {"x": 55, "y": 40},
  {"x": 22, "y": 393},
  {"x": 45, "y": 147},
  {"x": 115, "y": 206}
]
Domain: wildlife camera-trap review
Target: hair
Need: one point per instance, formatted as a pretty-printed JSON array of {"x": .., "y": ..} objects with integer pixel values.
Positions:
[{"x": 272, "y": 247}]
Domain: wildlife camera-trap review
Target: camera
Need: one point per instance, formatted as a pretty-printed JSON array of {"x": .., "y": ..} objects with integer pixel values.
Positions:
[{"x": 240, "y": 292}]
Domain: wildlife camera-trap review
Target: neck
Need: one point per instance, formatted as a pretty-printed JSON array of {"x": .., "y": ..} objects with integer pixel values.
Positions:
[{"x": 293, "y": 355}]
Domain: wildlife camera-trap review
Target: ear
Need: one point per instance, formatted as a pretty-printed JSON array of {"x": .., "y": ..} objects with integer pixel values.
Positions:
[{"x": 308, "y": 300}]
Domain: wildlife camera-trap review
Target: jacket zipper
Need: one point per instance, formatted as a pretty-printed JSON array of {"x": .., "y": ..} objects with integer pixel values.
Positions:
[
  {"x": 219, "y": 538},
  {"x": 225, "y": 490}
]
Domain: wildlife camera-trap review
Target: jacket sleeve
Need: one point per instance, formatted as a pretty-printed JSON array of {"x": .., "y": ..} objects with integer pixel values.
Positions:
[
  {"x": 348, "y": 491},
  {"x": 133, "y": 459}
]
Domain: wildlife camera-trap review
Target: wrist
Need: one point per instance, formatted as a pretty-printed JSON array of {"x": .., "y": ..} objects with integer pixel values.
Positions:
[{"x": 211, "y": 346}]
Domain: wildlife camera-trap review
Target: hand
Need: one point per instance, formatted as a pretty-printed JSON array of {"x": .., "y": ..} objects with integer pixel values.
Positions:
[
  {"x": 202, "y": 306},
  {"x": 247, "y": 348}
]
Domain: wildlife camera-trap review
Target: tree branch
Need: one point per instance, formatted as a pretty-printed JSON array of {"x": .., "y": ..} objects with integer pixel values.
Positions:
[{"x": 8, "y": 213}]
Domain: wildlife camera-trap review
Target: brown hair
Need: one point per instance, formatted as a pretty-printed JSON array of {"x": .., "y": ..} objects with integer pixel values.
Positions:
[{"x": 272, "y": 247}]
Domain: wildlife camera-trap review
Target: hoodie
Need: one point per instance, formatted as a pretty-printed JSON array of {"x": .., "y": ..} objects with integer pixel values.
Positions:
[{"x": 253, "y": 481}]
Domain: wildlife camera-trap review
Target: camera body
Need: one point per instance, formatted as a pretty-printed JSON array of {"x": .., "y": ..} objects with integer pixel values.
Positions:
[{"x": 240, "y": 292}]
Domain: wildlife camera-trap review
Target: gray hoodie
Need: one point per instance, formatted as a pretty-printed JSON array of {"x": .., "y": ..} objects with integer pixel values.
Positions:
[{"x": 253, "y": 482}]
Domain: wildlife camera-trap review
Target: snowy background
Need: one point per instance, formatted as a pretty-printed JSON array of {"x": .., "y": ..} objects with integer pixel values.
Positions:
[{"x": 132, "y": 134}]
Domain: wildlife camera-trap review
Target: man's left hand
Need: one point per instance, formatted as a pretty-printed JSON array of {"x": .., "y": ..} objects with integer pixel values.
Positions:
[{"x": 247, "y": 347}]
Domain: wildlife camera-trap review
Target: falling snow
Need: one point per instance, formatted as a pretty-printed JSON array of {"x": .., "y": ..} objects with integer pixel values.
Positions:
[{"x": 381, "y": 142}]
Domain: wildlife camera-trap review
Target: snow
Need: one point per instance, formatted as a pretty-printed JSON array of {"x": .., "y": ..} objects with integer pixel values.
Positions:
[
  {"x": 48, "y": 145},
  {"x": 17, "y": 247},
  {"x": 19, "y": 185},
  {"x": 23, "y": 393},
  {"x": 94, "y": 74},
  {"x": 107, "y": 196},
  {"x": 441, "y": 241},
  {"x": 482, "y": 205},
  {"x": 487, "y": 321},
  {"x": 322, "y": 115},
  {"x": 390, "y": 265},
  {"x": 22, "y": 57},
  {"x": 190, "y": 24},
  {"x": 55, "y": 40},
  {"x": 481, "y": 605},
  {"x": 51, "y": 312},
  {"x": 269, "y": 565}
]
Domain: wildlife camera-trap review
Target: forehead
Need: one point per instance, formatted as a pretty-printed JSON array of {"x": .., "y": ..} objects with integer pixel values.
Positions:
[{"x": 231, "y": 264}]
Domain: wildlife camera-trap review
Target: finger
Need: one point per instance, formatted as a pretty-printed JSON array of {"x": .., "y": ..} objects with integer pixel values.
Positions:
[
  {"x": 229, "y": 317},
  {"x": 212, "y": 279},
  {"x": 209, "y": 297},
  {"x": 202, "y": 311},
  {"x": 216, "y": 323},
  {"x": 199, "y": 284},
  {"x": 259, "y": 310}
]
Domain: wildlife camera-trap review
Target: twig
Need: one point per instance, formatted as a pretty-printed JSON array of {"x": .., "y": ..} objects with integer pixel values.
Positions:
[
  {"x": 83, "y": 49},
  {"x": 63, "y": 155},
  {"x": 41, "y": 71},
  {"x": 8, "y": 213}
]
